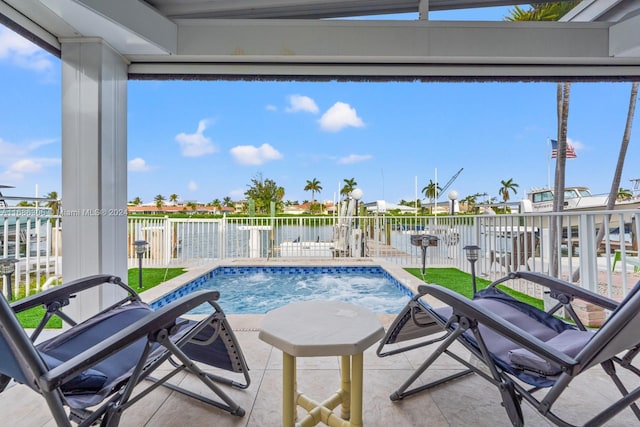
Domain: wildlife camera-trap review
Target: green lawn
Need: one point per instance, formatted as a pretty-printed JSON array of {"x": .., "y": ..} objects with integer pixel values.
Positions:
[
  {"x": 150, "y": 277},
  {"x": 461, "y": 283}
]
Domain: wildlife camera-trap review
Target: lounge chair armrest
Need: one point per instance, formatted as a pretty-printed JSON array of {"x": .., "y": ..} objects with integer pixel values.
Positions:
[
  {"x": 468, "y": 308},
  {"x": 65, "y": 291},
  {"x": 560, "y": 286},
  {"x": 153, "y": 322}
]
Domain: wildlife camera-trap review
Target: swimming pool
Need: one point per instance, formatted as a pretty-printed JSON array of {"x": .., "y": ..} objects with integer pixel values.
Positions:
[{"x": 258, "y": 290}]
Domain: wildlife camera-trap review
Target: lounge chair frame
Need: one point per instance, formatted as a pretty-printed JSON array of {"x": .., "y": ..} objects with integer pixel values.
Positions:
[
  {"x": 167, "y": 336},
  {"x": 619, "y": 335}
]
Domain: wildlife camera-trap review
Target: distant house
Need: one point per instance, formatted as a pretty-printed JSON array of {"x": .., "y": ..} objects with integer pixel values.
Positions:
[
  {"x": 152, "y": 209},
  {"x": 295, "y": 209},
  {"x": 382, "y": 206},
  {"x": 328, "y": 208}
]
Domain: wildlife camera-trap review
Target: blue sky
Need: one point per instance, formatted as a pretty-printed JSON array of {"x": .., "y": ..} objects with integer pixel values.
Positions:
[{"x": 207, "y": 140}]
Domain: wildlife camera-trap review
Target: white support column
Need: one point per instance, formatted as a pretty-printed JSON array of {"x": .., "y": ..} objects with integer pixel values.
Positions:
[
  {"x": 94, "y": 166},
  {"x": 423, "y": 10}
]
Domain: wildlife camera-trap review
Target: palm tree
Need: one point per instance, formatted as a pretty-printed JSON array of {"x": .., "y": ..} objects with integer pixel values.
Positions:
[
  {"x": 313, "y": 186},
  {"x": 159, "y": 199},
  {"x": 541, "y": 12},
  {"x": 624, "y": 194},
  {"x": 504, "y": 190},
  {"x": 227, "y": 202},
  {"x": 54, "y": 203},
  {"x": 431, "y": 191},
  {"x": 136, "y": 201},
  {"x": 470, "y": 202},
  {"x": 553, "y": 12},
  {"x": 615, "y": 185},
  {"x": 174, "y": 198},
  {"x": 349, "y": 186}
]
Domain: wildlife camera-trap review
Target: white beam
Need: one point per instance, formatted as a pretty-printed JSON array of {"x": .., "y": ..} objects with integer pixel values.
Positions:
[
  {"x": 129, "y": 26},
  {"x": 29, "y": 26},
  {"x": 390, "y": 48},
  {"x": 391, "y": 39},
  {"x": 625, "y": 38},
  {"x": 600, "y": 10}
]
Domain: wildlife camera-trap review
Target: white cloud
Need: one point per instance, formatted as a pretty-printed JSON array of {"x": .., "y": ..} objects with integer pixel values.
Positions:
[
  {"x": 138, "y": 165},
  {"x": 22, "y": 52},
  {"x": 17, "y": 170},
  {"x": 301, "y": 103},
  {"x": 271, "y": 107},
  {"x": 27, "y": 166},
  {"x": 354, "y": 158},
  {"x": 192, "y": 186},
  {"x": 339, "y": 116},
  {"x": 196, "y": 144},
  {"x": 252, "y": 155},
  {"x": 11, "y": 150}
]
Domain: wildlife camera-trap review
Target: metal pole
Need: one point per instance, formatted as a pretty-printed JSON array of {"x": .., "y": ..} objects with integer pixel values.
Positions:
[
  {"x": 139, "y": 271},
  {"x": 473, "y": 276},
  {"x": 7, "y": 278}
]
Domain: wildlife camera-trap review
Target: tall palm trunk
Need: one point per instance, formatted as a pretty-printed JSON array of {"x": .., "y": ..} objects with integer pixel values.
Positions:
[
  {"x": 562, "y": 98},
  {"x": 617, "y": 176}
]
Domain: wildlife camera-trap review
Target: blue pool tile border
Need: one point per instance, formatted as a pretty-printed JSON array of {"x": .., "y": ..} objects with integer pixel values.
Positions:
[{"x": 196, "y": 284}]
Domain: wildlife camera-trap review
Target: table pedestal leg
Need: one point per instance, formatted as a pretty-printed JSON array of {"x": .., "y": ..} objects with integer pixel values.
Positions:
[
  {"x": 289, "y": 407},
  {"x": 357, "y": 365},
  {"x": 345, "y": 386}
]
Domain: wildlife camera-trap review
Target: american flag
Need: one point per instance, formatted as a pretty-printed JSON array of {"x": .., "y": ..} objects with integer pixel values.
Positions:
[{"x": 571, "y": 153}]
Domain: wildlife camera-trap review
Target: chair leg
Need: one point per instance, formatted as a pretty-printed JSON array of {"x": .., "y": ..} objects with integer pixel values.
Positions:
[
  {"x": 229, "y": 404},
  {"x": 402, "y": 392},
  {"x": 610, "y": 369},
  {"x": 4, "y": 382},
  {"x": 511, "y": 403}
]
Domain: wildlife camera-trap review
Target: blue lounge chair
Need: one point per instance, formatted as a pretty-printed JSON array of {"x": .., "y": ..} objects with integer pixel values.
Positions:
[
  {"x": 525, "y": 350},
  {"x": 101, "y": 360}
]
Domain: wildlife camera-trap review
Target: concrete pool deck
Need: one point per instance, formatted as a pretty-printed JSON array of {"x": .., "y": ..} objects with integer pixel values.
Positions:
[{"x": 468, "y": 401}]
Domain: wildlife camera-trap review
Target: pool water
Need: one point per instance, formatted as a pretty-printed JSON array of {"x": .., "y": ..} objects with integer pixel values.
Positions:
[{"x": 258, "y": 290}]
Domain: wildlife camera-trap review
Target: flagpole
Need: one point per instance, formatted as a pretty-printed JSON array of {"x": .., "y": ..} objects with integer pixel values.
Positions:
[
  {"x": 435, "y": 176},
  {"x": 548, "y": 163},
  {"x": 415, "y": 189}
]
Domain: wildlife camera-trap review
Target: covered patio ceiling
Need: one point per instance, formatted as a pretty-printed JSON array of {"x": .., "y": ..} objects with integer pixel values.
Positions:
[{"x": 297, "y": 39}]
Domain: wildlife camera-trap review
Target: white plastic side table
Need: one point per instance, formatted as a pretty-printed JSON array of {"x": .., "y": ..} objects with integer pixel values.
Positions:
[{"x": 322, "y": 328}]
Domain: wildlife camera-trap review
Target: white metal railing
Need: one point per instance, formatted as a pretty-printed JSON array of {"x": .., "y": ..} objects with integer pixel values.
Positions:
[
  {"x": 507, "y": 242},
  {"x": 35, "y": 241}
]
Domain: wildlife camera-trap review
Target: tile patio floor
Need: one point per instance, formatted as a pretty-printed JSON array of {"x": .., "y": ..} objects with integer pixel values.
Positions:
[{"x": 470, "y": 401}]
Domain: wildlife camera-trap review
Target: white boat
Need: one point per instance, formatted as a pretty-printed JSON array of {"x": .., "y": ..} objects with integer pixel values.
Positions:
[
  {"x": 575, "y": 199},
  {"x": 20, "y": 224},
  {"x": 10, "y": 213},
  {"x": 307, "y": 249}
]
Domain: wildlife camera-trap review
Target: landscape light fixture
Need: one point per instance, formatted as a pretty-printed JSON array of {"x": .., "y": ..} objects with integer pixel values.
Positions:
[
  {"x": 141, "y": 248},
  {"x": 356, "y": 194},
  {"x": 472, "y": 252},
  {"x": 453, "y": 195},
  {"x": 7, "y": 268}
]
